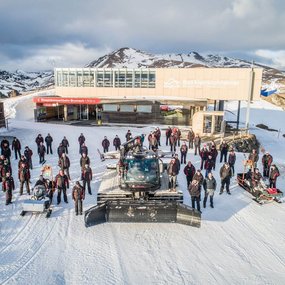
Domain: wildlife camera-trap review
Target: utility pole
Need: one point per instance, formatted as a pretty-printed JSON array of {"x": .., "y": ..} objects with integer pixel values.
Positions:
[{"x": 249, "y": 97}]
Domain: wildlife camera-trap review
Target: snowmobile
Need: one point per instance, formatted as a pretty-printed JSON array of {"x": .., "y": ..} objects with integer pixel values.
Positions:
[
  {"x": 40, "y": 200},
  {"x": 261, "y": 192},
  {"x": 137, "y": 190}
]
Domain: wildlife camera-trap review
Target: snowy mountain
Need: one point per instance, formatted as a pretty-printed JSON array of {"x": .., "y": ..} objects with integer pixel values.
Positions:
[
  {"x": 22, "y": 81},
  {"x": 133, "y": 58}
]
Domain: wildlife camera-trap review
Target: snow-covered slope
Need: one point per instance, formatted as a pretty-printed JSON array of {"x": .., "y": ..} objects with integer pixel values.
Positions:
[
  {"x": 22, "y": 81},
  {"x": 133, "y": 58},
  {"x": 240, "y": 242}
]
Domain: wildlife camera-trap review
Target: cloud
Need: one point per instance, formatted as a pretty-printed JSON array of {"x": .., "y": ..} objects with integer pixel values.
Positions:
[
  {"x": 156, "y": 26},
  {"x": 275, "y": 58},
  {"x": 46, "y": 58}
]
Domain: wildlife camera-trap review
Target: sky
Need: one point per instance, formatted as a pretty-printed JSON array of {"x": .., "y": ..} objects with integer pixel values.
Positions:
[{"x": 43, "y": 34}]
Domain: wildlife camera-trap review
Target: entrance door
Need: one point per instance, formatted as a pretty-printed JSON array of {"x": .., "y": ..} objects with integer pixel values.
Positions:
[{"x": 84, "y": 112}]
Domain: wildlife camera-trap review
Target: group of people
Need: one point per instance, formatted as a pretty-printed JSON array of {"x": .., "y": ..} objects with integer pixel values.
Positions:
[
  {"x": 62, "y": 179},
  {"x": 196, "y": 181}
]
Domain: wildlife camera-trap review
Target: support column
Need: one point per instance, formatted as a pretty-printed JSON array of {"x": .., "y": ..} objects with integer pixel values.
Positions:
[
  {"x": 238, "y": 114},
  {"x": 65, "y": 115},
  {"x": 213, "y": 123},
  {"x": 250, "y": 85}
]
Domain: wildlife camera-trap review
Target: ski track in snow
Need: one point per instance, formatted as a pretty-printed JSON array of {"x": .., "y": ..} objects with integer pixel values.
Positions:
[{"x": 240, "y": 242}]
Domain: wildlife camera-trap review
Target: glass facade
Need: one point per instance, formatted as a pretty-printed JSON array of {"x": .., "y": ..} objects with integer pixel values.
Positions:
[{"x": 104, "y": 77}]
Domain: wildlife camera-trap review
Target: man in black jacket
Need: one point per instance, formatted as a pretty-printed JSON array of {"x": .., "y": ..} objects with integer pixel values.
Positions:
[
  {"x": 16, "y": 146},
  {"x": 49, "y": 140}
]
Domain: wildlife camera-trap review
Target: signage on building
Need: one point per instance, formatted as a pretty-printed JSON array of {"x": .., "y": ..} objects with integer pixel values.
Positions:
[
  {"x": 66, "y": 101},
  {"x": 173, "y": 83}
]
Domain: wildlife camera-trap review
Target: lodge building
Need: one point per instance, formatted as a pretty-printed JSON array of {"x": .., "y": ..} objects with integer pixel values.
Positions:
[{"x": 171, "y": 96}]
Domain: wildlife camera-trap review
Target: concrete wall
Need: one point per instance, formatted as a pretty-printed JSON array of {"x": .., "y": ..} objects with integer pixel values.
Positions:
[{"x": 182, "y": 84}]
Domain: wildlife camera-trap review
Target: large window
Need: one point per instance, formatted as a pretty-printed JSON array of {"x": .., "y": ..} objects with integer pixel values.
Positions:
[{"x": 101, "y": 77}]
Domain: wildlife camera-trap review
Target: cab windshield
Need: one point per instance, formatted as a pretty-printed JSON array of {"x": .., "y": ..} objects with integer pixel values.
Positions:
[{"x": 142, "y": 170}]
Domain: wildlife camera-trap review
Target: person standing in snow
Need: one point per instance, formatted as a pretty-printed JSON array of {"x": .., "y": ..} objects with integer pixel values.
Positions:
[
  {"x": 128, "y": 135},
  {"x": 117, "y": 142},
  {"x": 173, "y": 143},
  {"x": 61, "y": 184},
  {"x": 8, "y": 186},
  {"x": 204, "y": 153},
  {"x": 253, "y": 157},
  {"x": 78, "y": 195},
  {"x": 210, "y": 186},
  {"x": 87, "y": 177},
  {"x": 105, "y": 144},
  {"x": 6, "y": 151},
  {"x": 274, "y": 173},
  {"x": 42, "y": 152},
  {"x": 183, "y": 151},
  {"x": 195, "y": 193},
  {"x": 84, "y": 149},
  {"x": 24, "y": 178},
  {"x": 28, "y": 153},
  {"x": 225, "y": 174},
  {"x": 39, "y": 140},
  {"x": 64, "y": 164},
  {"x": 65, "y": 144},
  {"x": 224, "y": 151},
  {"x": 168, "y": 133},
  {"x": 16, "y": 146},
  {"x": 172, "y": 171},
  {"x": 60, "y": 150},
  {"x": 197, "y": 144},
  {"x": 189, "y": 171},
  {"x": 266, "y": 163},
  {"x": 81, "y": 141},
  {"x": 190, "y": 137},
  {"x": 232, "y": 161},
  {"x": 49, "y": 140}
]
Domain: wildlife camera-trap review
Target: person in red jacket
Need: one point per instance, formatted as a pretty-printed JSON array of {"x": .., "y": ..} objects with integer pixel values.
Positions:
[
  {"x": 8, "y": 186},
  {"x": 61, "y": 184},
  {"x": 274, "y": 173},
  {"x": 183, "y": 151},
  {"x": 189, "y": 171},
  {"x": 24, "y": 177}
]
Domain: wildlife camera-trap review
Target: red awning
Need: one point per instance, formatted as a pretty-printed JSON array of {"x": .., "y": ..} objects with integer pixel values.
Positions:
[{"x": 66, "y": 101}]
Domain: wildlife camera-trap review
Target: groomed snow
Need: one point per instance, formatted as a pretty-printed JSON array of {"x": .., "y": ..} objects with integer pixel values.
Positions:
[{"x": 240, "y": 242}]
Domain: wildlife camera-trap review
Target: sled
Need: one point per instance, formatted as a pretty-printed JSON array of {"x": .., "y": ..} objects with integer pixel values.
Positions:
[
  {"x": 262, "y": 194},
  {"x": 39, "y": 201}
]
